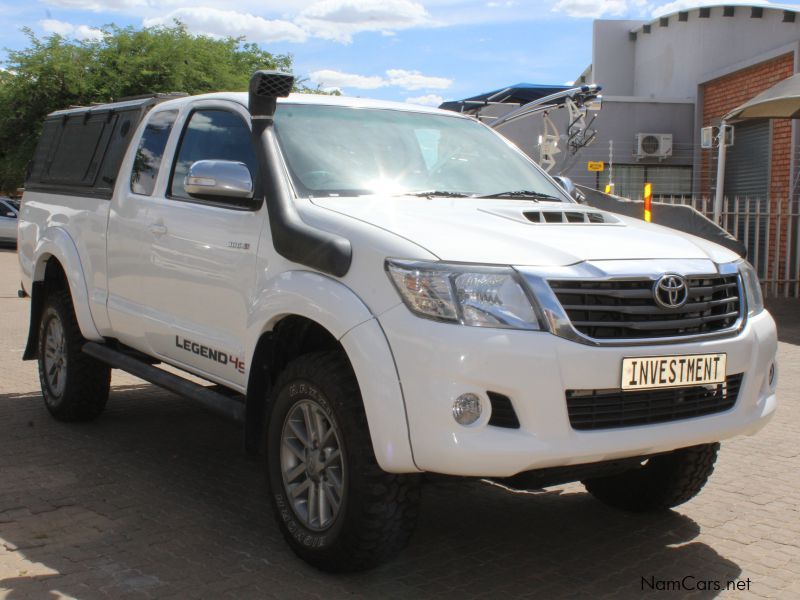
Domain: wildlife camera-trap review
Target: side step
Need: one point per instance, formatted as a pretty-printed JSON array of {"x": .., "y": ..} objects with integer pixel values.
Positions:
[{"x": 214, "y": 401}]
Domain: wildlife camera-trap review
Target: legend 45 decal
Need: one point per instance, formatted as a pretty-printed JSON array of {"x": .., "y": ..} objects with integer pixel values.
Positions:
[{"x": 217, "y": 356}]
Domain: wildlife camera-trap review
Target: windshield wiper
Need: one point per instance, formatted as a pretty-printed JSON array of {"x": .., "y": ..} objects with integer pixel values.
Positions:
[
  {"x": 440, "y": 193},
  {"x": 524, "y": 195}
]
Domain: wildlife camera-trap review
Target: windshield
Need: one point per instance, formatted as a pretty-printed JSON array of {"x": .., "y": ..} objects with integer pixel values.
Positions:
[{"x": 342, "y": 151}]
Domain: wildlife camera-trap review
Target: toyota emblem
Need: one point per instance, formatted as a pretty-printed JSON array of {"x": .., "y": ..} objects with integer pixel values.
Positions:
[{"x": 671, "y": 291}]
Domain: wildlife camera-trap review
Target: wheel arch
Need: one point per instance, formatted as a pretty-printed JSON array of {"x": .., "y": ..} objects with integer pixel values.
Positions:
[
  {"x": 290, "y": 336},
  {"x": 309, "y": 312},
  {"x": 57, "y": 265}
]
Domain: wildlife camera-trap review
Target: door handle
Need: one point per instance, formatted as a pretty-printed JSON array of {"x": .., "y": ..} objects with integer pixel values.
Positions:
[{"x": 158, "y": 229}]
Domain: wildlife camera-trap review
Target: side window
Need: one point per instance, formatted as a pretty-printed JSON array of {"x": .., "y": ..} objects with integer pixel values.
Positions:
[
  {"x": 212, "y": 135},
  {"x": 150, "y": 151}
]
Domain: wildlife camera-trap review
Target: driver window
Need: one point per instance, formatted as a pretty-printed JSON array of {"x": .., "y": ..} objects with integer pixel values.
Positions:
[{"x": 212, "y": 135}]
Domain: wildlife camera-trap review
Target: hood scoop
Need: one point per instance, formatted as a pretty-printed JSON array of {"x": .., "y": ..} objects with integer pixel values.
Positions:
[{"x": 556, "y": 216}]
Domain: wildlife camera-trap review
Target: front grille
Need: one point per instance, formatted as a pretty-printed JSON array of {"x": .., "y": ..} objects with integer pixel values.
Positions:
[
  {"x": 626, "y": 309},
  {"x": 608, "y": 409}
]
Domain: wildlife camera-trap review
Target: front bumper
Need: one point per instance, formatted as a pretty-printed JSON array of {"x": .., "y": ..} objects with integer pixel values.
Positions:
[{"x": 437, "y": 362}]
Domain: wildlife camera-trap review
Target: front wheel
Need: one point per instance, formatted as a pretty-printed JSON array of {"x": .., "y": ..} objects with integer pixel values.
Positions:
[
  {"x": 663, "y": 481},
  {"x": 336, "y": 508}
]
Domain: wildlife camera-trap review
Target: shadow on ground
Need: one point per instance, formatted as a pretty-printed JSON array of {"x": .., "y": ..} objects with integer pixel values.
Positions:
[{"x": 156, "y": 498}]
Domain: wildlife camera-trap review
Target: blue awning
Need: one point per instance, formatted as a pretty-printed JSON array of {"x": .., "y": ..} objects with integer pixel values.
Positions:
[{"x": 519, "y": 93}]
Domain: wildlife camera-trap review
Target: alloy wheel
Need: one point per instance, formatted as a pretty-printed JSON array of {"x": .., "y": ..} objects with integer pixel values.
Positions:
[{"x": 312, "y": 465}]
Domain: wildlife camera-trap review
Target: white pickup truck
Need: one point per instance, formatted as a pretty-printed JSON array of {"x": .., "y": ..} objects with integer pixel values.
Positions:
[{"x": 379, "y": 290}]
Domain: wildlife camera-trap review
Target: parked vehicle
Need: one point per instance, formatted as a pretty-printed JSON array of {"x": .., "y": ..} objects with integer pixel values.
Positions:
[
  {"x": 384, "y": 290},
  {"x": 9, "y": 209}
]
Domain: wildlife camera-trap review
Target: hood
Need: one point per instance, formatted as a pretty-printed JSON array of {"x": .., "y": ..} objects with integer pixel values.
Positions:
[{"x": 521, "y": 232}]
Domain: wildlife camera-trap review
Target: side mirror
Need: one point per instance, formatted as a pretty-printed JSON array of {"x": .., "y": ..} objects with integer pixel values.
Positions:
[
  {"x": 570, "y": 187},
  {"x": 219, "y": 179},
  {"x": 11, "y": 215}
]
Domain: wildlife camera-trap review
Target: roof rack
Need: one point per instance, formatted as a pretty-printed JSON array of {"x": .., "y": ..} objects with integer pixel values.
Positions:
[{"x": 154, "y": 95}]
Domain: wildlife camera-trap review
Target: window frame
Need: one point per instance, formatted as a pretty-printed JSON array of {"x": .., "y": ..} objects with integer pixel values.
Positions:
[
  {"x": 6, "y": 208},
  {"x": 242, "y": 205},
  {"x": 657, "y": 194},
  {"x": 164, "y": 152}
]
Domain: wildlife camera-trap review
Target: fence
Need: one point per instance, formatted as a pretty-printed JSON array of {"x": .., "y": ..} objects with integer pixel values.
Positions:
[{"x": 769, "y": 230}]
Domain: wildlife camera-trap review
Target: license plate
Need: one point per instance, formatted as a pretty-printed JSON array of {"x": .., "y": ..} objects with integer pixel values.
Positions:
[{"x": 648, "y": 372}]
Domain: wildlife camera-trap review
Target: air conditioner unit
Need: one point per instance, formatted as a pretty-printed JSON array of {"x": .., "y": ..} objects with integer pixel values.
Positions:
[{"x": 653, "y": 145}]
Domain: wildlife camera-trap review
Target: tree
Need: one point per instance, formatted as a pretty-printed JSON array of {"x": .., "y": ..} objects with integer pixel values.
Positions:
[{"x": 56, "y": 72}]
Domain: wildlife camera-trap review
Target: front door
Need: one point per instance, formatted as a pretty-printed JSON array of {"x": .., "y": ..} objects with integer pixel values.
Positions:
[{"x": 203, "y": 253}]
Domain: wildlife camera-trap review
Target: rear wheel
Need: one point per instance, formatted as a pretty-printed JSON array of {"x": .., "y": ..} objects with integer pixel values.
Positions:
[
  {"x": 75, "y": 386},
  {"x": 662, "y": 482},
  {"x": 338, "y": 510}
]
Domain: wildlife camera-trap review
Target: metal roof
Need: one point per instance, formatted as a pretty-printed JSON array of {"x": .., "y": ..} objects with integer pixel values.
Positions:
[
  {"x": 519, "y": 93},
  {"x": 766, "y": 6}
]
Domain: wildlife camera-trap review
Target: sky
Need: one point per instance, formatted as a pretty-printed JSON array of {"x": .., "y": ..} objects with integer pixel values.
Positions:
[{"x": 421, "y": 51}]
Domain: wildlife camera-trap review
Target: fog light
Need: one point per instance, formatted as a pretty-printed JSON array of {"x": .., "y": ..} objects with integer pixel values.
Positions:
[{"x": 467, "y": 409}]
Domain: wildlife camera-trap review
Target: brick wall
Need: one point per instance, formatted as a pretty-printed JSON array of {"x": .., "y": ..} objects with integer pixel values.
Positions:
[{"x": 722, "y": 95}]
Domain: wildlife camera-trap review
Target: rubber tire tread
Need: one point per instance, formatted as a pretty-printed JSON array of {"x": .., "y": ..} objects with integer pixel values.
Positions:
[
  {"x": 666, "y": 481},
  {"x": 381, "y": 508},
  {"x": 87, "y": 380}
]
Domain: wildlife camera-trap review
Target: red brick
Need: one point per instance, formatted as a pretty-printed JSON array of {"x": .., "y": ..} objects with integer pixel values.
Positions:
[{"x": 726, "y": 93}]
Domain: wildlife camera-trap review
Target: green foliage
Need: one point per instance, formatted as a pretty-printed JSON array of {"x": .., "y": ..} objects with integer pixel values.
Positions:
[{"x": 55, "y": 72}]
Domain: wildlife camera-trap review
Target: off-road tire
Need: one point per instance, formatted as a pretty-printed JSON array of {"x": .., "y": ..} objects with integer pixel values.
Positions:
[
  {"x": 378, "y": 511},
  {"x": 663, "y": 482},
  {"x": 86, "y": 380}
]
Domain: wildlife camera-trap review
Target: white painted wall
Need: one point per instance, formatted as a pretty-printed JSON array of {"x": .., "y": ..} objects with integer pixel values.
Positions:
[
  {"x": 613, "y": 56},
  {"x": 671, "y": 61}
]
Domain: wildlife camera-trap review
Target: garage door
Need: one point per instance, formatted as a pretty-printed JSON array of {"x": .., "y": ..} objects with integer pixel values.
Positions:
[
  {"x": 747, "y": 168},
  {"x": 747, "y": 177}
]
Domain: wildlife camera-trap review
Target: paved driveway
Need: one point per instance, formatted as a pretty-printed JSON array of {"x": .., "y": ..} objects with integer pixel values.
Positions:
[{"x": 156, "y": 499}]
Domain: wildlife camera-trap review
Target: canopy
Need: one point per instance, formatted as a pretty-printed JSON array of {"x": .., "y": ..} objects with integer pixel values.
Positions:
[
  {"x": 519, "y": 93},
  {"x": 781, "y": 101}
]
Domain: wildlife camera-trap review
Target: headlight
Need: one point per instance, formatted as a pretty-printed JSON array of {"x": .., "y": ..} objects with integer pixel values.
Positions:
[
  {"x": 752, "y": 288},
  {"x": 470, "y": 295}
]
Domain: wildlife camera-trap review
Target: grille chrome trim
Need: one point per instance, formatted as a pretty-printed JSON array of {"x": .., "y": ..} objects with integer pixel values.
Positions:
[
  {"x": 558, "y": 323},
  {"x": 592, "y": 410},
  {"x": 598, "y": 310}
]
